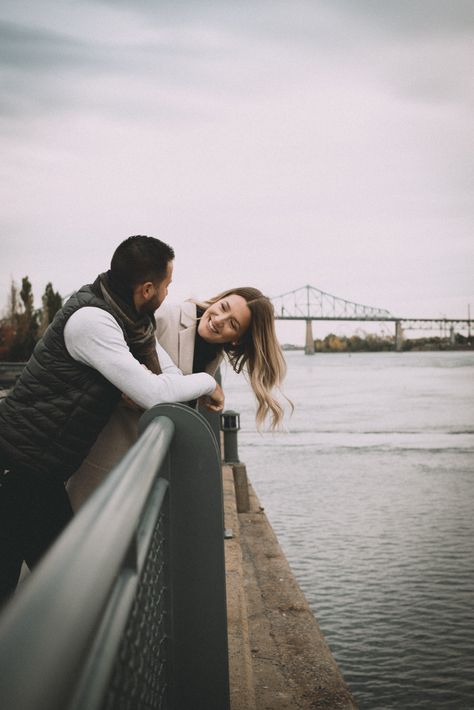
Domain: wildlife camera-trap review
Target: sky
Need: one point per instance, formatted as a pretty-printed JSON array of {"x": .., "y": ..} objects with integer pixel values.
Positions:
[{"x": 273, "y": 144}]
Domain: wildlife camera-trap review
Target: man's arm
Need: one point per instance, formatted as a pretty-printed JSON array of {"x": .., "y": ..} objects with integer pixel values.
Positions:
[
  {"x": 93, "y": 337},
  {"x": 166, "y": 363}
]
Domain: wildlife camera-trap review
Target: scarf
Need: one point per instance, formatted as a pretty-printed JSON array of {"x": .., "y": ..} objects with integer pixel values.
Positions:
[{"x": 139, "y": 327}]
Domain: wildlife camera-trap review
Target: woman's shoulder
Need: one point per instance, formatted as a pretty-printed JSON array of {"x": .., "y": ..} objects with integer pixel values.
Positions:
[{"x": 175, "y": 314}]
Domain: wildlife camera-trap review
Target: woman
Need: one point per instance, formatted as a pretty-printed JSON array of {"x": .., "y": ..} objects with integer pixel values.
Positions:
[{"x": 239, "y": 324}]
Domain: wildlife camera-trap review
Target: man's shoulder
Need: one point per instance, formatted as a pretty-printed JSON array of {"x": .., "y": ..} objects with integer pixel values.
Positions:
[
  {"x": 92, "y": 330},
  {"x": 82, "y": 296},
  {"x": 91, "y": 318}
]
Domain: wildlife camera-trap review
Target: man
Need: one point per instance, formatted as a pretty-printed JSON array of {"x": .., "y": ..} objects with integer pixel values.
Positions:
[{"x": 100, "y": 344}]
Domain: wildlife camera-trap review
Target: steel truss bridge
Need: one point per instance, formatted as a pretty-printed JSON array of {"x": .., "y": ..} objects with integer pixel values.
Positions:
[{"x": 311, "y": 304}]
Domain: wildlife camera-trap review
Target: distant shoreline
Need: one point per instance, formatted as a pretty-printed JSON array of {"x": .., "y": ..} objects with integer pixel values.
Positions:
[{"x": 408, "y": 346}]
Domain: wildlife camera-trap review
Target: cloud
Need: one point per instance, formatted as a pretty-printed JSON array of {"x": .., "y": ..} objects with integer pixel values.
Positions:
[
  {"x": 45, "y": 71},
  {"x": 333, "y": 25},
  {"x": 408, "y": 18},
  {"x": 224, "y": 49},
  {"x": 25, "y": 47},
  {"x": 320, "y": 142},
  {"x": 35, "y": 63}
]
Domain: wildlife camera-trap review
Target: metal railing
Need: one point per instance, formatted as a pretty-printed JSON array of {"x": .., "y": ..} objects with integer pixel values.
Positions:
[
  {"x": 9, "y": 371},
  {"x": 128, "y": 610}
]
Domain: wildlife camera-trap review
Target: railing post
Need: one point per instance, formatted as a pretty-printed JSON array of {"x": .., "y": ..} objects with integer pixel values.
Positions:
[
  {"x": 199, "y": 651},
  {"x": 241, "y": 487},
  {"x": 213, "y": 418},
  {"x": 230, "y": 425}
]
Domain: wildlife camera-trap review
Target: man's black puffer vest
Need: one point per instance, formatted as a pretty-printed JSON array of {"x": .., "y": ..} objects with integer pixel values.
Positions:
[{"x": 53, "y": 415}]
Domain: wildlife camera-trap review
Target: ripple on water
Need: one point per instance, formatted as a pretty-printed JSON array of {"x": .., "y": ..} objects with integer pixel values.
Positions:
[{"x": 371, "y": 497}]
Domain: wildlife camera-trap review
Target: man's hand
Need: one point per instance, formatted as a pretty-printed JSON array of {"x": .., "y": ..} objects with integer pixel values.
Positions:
[
  {"x": 214, "y": 401},
  {"x": 130, "y": 404}
]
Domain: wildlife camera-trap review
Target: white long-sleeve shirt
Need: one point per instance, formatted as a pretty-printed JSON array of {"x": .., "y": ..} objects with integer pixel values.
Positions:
[{"x": 93, "y": 337}]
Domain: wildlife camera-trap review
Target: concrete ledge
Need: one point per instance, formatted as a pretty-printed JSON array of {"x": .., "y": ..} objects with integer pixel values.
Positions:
[
  {"x": 242, "y": 693},
  {"x": 292, "y": 664}
]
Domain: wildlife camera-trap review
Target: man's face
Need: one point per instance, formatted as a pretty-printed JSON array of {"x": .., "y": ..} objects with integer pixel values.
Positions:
[
  {"x": 148, "y": 297},
  {"x": 162, "y": 288}
]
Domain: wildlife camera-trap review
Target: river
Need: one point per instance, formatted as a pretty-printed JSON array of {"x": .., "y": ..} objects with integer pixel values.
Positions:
[{"x": 370, "y": 491}]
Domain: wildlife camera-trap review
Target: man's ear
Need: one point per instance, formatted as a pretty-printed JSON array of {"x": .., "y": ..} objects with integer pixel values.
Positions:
[
  {"x": 142, "y": 294},
  {"x": 147, "y": 290}
]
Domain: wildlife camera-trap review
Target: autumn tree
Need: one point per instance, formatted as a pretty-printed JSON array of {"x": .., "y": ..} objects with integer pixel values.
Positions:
[
  {"x": 13, "y": 303},
  {"x": 22, "y": 324},
  {"x": 9, "y": 323},
  {"x": 52, "y": 302},
  {"x": 26, "y": 324}
]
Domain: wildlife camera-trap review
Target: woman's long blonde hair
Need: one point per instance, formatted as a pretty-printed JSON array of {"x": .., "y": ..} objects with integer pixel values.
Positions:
[{"x": 258, "y": 351}]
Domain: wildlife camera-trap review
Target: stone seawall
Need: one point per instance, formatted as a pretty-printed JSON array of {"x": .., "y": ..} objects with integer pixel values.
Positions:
[{"x": 278, "y": 657}]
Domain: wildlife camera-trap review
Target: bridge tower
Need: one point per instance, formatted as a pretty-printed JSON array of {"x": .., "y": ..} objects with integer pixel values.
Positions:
[
  {"x": 398, "y": 336},
  {"x": 452, "y": 335},
  {"x": 309, "y": 344}
]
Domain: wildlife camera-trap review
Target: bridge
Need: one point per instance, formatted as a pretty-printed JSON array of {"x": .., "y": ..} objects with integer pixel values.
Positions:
[{"x": 311, "y": 304}]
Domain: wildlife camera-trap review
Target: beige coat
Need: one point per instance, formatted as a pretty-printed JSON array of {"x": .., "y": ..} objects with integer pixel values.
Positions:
[{"x": 176, "y": 332}]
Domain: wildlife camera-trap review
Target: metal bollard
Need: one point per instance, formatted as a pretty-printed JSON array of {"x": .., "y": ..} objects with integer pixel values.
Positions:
[{"x": 230, "y": 425}]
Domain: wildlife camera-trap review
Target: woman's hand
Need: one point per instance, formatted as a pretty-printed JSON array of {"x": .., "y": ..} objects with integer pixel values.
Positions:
[{"x": 214, "y": 402}]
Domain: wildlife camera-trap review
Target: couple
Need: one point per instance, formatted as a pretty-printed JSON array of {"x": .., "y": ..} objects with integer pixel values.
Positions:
[{"x": 102, "y": 345}]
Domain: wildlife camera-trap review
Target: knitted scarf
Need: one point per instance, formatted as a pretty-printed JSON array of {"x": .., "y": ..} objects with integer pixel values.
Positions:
[{"x": 139, "y": 327}]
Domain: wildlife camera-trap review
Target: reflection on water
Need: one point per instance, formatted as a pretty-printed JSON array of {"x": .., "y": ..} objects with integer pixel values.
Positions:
[{"x": 370, "y": 492}]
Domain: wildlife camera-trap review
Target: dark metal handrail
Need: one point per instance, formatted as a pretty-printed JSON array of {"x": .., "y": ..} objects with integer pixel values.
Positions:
[
  {"x": 67, "y": 638},
  {"x": 9, "y": 372}
]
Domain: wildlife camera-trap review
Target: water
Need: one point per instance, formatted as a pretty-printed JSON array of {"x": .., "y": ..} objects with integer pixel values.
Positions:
[{"x": 371, "y": 495}]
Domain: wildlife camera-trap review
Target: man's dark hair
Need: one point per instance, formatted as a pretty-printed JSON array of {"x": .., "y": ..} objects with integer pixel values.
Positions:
[{"x": 139, "y": 259}]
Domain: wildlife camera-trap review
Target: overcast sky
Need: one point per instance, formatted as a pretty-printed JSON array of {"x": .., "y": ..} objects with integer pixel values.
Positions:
[{"x": 274, "y": 144}]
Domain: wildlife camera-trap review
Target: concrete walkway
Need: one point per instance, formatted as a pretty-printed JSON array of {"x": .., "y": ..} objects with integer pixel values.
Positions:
[{"x": 278, "y": 657}]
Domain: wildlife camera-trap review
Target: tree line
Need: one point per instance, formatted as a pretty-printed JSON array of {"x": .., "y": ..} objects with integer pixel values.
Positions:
[
  {"x": 22, "y": 324},
  {"x": 354, "y": 343},
  {"x": 370, "y": 342}
]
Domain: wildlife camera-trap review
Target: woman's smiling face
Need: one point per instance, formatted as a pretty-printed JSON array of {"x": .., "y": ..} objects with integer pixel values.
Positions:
[{"x": 225, "y": 321}]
